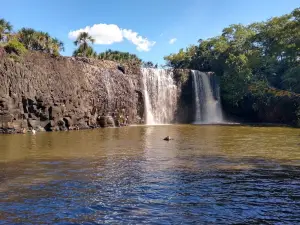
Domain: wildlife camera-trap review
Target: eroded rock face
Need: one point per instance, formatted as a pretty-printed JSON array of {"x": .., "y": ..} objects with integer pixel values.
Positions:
[
  {"x": 185, "y": 101},
  {"x": 61, "y": 93}
]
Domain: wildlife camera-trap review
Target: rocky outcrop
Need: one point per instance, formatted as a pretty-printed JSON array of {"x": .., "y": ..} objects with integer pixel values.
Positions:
[
  {"x": 59, "y": 93},
  {"x": 185, "y": 101}
]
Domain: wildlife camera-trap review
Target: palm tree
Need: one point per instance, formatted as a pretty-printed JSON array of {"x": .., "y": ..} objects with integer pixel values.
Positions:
[
  {"x": 5, "y": 29},
  {"x": 83, "y": 40},
  {"x": 43, "y": 40},
  {"x": 57, "y": 46},
  {"x": 27, "y": 36},
  {"x": 39, "y": 41}
]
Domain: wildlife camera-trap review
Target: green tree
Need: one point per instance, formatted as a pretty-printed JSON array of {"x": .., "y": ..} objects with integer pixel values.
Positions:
[
  {"x": 149, "y": 64},
  {"x": 255, "y": 63},
  {"x": 57, "y": 46},
  {"x": 5, "y": 29},
  {"x": 39, "y": 41},
  {"x": 270, "y": 50},
  {"x": 83, "y": 42},
  {"x": 27, "y": 37},
  {"x": 119, "y": 56}
]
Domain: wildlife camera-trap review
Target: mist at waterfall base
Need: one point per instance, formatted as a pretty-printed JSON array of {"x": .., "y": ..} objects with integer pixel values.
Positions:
[
  {"x": 160, "y": 97},
  {"x": 207, "y": 99}
]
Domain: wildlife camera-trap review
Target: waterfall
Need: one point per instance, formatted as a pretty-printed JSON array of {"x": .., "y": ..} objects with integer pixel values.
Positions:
[
  {"x": 160, "y": 96},
  {"x": 148, "y": 108},
  {"x": 207, "y": 99}
]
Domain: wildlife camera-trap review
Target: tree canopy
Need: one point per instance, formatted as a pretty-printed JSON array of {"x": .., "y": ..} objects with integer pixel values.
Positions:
[
  {"x": 119, "y": 56},
  {"x": 5, "y": 29},
  {"x": 28, "y": 38},
  {"x": 39, "y": 41},
  {"x": 149, "y": 64},
  {"x": 263, "y": 54},
  {"x": 83, "y": 41}
]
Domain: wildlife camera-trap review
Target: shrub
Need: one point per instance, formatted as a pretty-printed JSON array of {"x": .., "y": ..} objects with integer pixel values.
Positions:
[
  {"x": 14, "y": 46},
  {"x": 181, "y": 76}
]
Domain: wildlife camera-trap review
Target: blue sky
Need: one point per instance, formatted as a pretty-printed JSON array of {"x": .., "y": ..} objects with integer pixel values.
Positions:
[{"x": 141, "y": 27}]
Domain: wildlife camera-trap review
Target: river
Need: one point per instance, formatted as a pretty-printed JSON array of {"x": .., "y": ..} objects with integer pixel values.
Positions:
[{"x": 206, "y": 175}]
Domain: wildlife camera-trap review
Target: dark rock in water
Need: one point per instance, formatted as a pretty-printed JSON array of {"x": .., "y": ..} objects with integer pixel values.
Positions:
[{"x": 168, "y": 138}]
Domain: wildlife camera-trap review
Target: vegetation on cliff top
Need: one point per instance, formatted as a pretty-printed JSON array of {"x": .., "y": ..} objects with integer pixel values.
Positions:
[
  {"x": 18, "y": 42},
  {"x": 27, "y": 38},
  {"x": 5, "y": 29},
  {"x": 249, "y": 59},
  {"x": 119, "y": 56},
  {"x": 83, "y": 41},
  {"x": 260, "y": 52},
  {"x": 39, "y": 41}
]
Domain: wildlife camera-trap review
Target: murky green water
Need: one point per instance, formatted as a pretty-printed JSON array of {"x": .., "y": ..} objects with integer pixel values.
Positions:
[{"x": 208, "y": 174}]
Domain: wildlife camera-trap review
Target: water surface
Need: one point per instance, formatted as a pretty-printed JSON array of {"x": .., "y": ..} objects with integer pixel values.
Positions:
[{"x": 208, "y": 174}]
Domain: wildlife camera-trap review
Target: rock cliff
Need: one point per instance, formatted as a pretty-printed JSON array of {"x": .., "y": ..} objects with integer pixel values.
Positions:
[
  {"x": 185, "y": 101},
  {"x": 50, "y": 93},
  {"x": 59, "y": 93}
]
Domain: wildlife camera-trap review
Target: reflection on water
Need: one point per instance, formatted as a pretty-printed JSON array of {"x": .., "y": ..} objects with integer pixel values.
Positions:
[{"x": 208, "y": 174}]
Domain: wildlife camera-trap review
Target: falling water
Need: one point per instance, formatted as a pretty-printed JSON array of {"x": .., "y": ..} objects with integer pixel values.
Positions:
[
  {"x": 148, "y": 108},
  {"x": 160, "y": 94},
  {"x": 207, "y": 99}
]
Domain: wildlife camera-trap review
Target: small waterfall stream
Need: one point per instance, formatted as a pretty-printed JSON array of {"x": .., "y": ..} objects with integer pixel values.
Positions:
[
  {"x": 207, "y": 100},
  {"x": 160, "y": 95},
  {"x": 148, "y": 108}
]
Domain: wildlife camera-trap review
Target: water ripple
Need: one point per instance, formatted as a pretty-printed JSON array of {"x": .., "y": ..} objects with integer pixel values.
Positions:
[{"x": 153, "y": 183}]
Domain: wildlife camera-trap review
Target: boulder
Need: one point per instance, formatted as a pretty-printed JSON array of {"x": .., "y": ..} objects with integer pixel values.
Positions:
[
  {"x": 55, "y": 112},
  {"x": 68, "y": 122},
  {"x": 106, "y": 121},
  {"x": 33, "y": 123},
  {"x": 62, "y": 125},
  {"x": 40, "y": 129}
]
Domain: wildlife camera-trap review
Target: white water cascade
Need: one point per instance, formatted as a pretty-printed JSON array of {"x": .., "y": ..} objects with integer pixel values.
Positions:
[
  {"x": 160, "y": 96},
  {"x": 207, "y": 99}
]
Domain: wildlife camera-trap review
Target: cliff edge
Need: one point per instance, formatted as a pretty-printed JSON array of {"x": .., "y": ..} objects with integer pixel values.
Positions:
[{"x": 59, "y": 93}]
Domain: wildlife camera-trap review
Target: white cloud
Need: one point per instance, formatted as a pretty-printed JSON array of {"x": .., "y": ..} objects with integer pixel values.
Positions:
[
  {"x": 143, "y": 44},
  {"x": 172, "y": 41},
  {"x": 102, "y": 33},
  {"x": 106, "y": 34}
]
